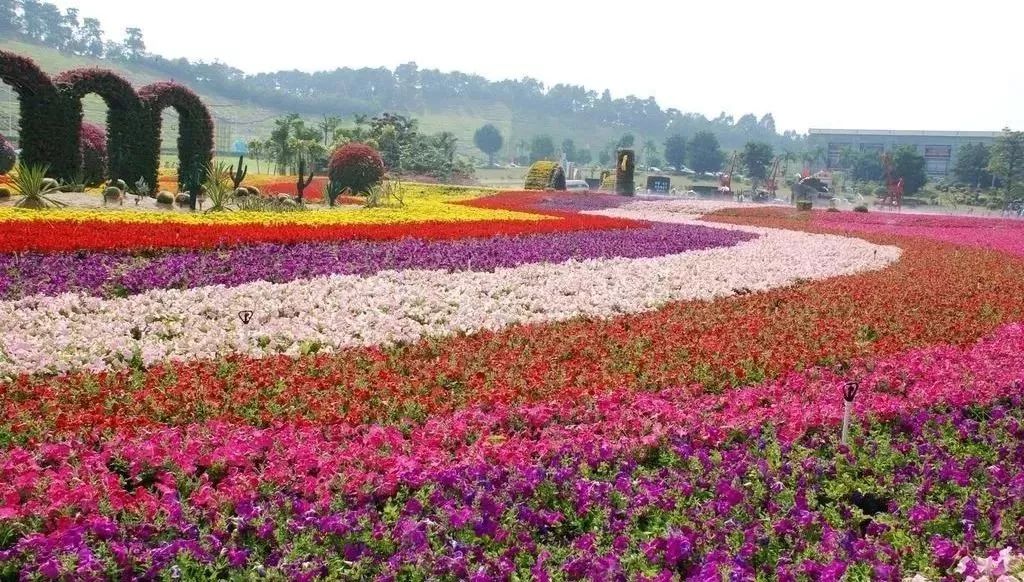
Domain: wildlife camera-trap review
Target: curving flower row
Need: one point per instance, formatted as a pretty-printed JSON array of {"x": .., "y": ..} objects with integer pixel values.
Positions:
[
  {"x": 619, "y": 390},
  {"x": 72, "y": 331}
]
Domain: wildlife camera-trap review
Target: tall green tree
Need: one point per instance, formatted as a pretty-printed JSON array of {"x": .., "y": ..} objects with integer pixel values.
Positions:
[
  {"x": 675, "y": 151},
  {"x": 1007, "y": 160},
  {"x": 704, "y": 153},
  {"x": 650, "y": 152},
  {"x": 604, "y": 157},
  {"x": 134, "y": 44},
  {"x": 10, "y": 22},
  {"x": 329, "y": 127},
  {"x": 489, "y": 140},
  {"x": 626, "y": 141},
  {"x": 92, "y": 38},
  {"x": 584, "y": 157},
  {"x": 972, "y": 164},
  {"x": 569, "y": 150},
  {"x": 542, "y": 147},
  {"x": 756, "y": 157},
  {"x": 909, "y": 165}
]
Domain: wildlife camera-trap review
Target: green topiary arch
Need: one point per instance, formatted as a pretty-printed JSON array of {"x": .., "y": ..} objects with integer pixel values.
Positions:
[
  {"x": 195, "y": 132},
  {"x": 51, "y": 122},
  {"x": 46, "y": 137},
  {"x": 124, "y": 116}
]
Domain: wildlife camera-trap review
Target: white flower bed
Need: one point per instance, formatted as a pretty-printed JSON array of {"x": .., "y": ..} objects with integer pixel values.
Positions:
[{"x": 71, "y": 331}]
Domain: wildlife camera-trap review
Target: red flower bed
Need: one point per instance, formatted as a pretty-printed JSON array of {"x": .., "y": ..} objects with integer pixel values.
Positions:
[
  {"x": 65, "y": 235},
  {"x": 957, "y": 296},
  {"x": 313, "y": 193}
]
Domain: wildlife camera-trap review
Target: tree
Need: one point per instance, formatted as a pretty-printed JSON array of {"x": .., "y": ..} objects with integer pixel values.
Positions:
[
  {"x": 584, "y": 157},
  {"x": 329, "y": 128},
  {"x": 542, "y": 148},
  {"x": 489, "y": 140},
  {"x": 867, "y": 166},
  {"x": 91, "y": 38},
  {"x": 675, "y": 151},
  {"x": 972, "y": 163},
  {"x": 569, "y": 150},
  {"x": 626, "y": 141},
  {"x": 705, "y": 154},
  {"x": 650, "y": 152},
  {"x": 256, "y": 152},
  {"x": 10, "y": 24},
  {"x": 604, "y": 157},
  {"x": 1007, "y": 159},
  {"x": 909, "y": 165},
  {"x": 756, "y": 157},
  {"x": 134, "y": 45}
]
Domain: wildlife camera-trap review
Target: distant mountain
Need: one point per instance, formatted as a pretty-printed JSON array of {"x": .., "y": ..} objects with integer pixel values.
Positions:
[{"x": 244, "y": 105}]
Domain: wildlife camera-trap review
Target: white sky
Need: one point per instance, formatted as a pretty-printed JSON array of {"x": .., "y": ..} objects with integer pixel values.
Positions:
[{"x": 894, "y": 64}]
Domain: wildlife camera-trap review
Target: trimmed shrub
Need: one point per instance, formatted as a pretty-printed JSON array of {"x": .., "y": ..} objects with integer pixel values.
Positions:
[
  {"x": 253, "y": 190},
  {"x": 356, "y": 166},
  {"x": 165, "y": 197},
  {"x": 545, "y": 175},
  {"x": 7, "y": 156},
  {"x": 242, "y": 192},
  {"x": 804, "y": 205},
  {"x": 860, "y": 208},
  {"x": 182, "y": 199},
  {"x": 5, "y": 193},
  {"x": 93, "y": 144}
]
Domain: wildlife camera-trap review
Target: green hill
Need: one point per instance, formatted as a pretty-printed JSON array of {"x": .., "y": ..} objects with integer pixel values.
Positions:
[{"x": 236, "y": 119}]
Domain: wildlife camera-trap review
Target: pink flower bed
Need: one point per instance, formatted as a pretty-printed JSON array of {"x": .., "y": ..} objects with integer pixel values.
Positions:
[{"x": 1000, "y": 234}]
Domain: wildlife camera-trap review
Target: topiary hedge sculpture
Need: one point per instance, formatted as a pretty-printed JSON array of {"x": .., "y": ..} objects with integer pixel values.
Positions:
[
  {"x": 7, "y": 156},
  {"x": 47, "y": 136},
  {"x": 357, "y": 167},
  {"x": 625, "y": 169},
  {"x": 51, "y": 122},
  {"x": 93, "y": 146},
  {"x": 545, "y": 175},
  {"x": 195, "y": 134}
]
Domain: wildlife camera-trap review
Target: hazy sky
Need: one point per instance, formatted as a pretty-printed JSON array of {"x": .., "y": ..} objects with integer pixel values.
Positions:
[{"x": 895, "y": 64}]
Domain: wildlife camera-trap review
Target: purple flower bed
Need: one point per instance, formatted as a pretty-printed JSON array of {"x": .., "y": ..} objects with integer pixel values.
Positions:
[
  {"x": 914, "y": 495},
  {"x": 112, "y": 274}
]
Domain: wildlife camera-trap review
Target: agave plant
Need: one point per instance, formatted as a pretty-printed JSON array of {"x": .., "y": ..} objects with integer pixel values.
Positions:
[
  {"x": 35, "y": 188},
  {"x": 218, "y": 187},
  {"x": 386, "y": 194}
]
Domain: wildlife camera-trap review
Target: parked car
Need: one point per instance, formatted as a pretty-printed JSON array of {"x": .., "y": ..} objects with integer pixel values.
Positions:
[
  {"x": 577, "y": 186},
  {"x": 686, "y": 171},
  {"x": 653, "y": 169}
]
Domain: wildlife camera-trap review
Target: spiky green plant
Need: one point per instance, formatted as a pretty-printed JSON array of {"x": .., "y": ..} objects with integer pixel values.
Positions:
[
  {"x": 385, "y": 194},
  {"x": 218, "y": 187},
  {"x": 31, "y": 184}
]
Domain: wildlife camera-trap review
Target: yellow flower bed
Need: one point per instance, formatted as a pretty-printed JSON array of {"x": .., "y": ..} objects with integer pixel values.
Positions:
[{"x": 423, "y": 203}]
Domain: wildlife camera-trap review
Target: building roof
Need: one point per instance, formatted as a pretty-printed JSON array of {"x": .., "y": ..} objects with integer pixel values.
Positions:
[{"x": 904, "y": 133}]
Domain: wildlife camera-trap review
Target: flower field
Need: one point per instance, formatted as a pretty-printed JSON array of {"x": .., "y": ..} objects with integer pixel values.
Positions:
[{"x": 511, "y": 386}]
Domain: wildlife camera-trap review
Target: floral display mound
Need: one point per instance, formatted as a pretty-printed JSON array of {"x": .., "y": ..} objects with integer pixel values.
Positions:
[{"x": 514, "y": 386}]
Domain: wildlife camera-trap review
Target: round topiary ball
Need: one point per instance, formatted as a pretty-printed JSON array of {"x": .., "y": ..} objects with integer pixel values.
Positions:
[
  {"x": 4, "y": 193},
  {"x": 242, "y": 192},
  {"x": 165, "y": 197},
  {"x": 112, "y": 193},
  {"x": 356, "y": 166},
  {"x": 182, "y": 199},
  {"x": 93, "y": 143},
  {"x": 253, "y": 190},
  {"x": 8, "y": 157}
]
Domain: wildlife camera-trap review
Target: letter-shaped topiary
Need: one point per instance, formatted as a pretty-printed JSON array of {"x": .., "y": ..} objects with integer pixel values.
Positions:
[{"x": 625, "y": 167}]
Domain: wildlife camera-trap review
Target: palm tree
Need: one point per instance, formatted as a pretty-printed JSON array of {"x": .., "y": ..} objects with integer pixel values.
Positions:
[
  {"x": 329, "y": 127},
  {"x": 256, "y": 152},
  {"x": 650, "y": 149}
]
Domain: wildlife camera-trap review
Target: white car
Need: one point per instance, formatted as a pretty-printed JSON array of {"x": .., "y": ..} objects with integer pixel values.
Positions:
[{"x": 577, "y": 186}]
